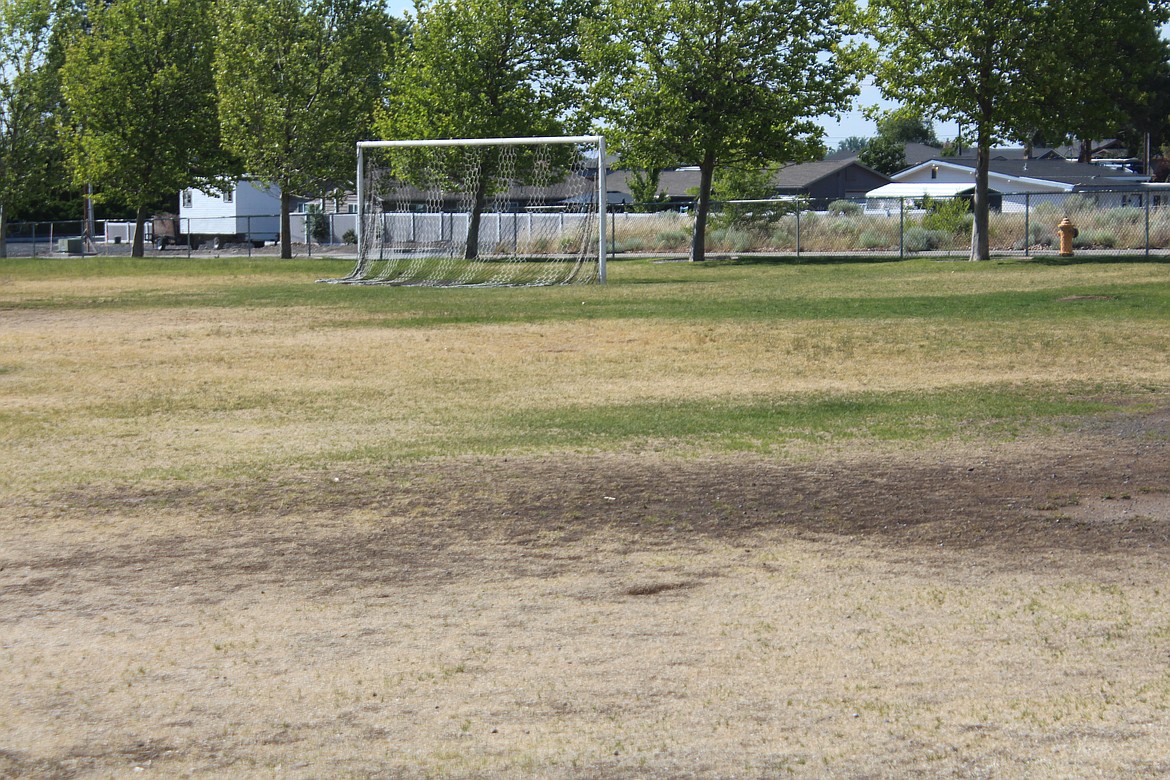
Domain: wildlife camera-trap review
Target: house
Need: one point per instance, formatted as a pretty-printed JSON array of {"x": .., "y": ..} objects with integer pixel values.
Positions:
[
  {"x": 246, "y": 211},
  {"x": 1014, "y": 183},
  {"x": 819, "y": 182},
  {"x": 827, "y": 180}
]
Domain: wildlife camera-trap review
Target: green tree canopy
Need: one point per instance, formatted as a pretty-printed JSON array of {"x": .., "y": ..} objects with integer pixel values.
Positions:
[
  {"x": 31, "y": 34},
  {"x": 485, "y": 69},
  {"x": 298, "y": 82},
  {"x": 854, "y": 143},
  {"x": 716, "y": 83},
  {"x": 906, "y": 127},
  {"x": 884, "y": 154},
  {"x": 1005, "y": 68},
  {"x": 138, "y": 86},
  {"x": 1098, "y": 95}
]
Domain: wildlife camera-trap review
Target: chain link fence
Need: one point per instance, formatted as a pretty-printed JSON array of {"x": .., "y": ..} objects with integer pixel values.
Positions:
[
  {"x": 1112, "y": 222},
  {"x": 1025, "y": 224},
  {"x": 311, "y": 234}
]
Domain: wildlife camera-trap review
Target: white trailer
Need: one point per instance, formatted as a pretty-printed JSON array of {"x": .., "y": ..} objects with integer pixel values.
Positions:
[{"x": 248, "y": 212}]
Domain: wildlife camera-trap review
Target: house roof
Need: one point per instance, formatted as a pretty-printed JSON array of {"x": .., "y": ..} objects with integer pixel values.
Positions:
[
  {"x": 801, "y": 175},
  {"x": 1012, "y": 153},
  {"x": 1059, "y": 174},
  {"x": 1067, "y": 172},
  {"x": 914, "y": 154},
  {"x": 673, "y": 182},
  {"x": 918, "y": 189}
]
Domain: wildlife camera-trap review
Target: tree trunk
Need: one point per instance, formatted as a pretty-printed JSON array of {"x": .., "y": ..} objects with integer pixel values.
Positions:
[
  {"x": 285, "y": 225},
  {"x": 980, "y": 239},
  {"x": 3, "y": 233},
  {"x": 139, "y": 233},
  {"x": 699, "y": 240},
  {"x": 1086, "y": 151},
  {"x": 471, "y": 251}
]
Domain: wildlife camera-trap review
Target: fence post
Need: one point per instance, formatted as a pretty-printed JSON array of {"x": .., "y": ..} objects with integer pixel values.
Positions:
[
  {"x": 798, "y": 230},
  {"x": 1027, "y": 224},
  {"x": 901, "y": 228},
  {"x": 1147, "y": 197}
]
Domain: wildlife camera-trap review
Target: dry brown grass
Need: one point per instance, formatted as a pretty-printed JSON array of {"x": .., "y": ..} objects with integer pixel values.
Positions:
[
  {"x": 202, "y": 575},
  {"x": 127, "y": 394},
  {"x": 620, "y": 617}
]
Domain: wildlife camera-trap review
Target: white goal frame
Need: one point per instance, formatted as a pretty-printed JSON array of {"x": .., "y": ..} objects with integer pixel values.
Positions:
[{"x": 602, "y": 191}]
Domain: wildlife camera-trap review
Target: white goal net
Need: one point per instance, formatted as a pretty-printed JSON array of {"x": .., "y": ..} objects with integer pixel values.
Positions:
[{"x": 481, "y": 212}]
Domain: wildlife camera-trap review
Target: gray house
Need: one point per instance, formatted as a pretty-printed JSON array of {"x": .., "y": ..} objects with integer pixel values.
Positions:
[
  {"x": 819, "y": 182},
  {"x": 828, "y": 180}
]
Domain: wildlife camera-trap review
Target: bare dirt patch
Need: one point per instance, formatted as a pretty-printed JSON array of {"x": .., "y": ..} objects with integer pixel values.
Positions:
[{"x": 979, "y": 612}]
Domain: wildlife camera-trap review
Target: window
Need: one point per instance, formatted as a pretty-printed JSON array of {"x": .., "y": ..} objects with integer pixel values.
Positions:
[
  {"x": 186, "y": 199},
  {"x": 229, "y": 196}
]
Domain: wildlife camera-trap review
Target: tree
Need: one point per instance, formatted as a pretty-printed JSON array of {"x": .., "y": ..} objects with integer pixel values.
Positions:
[
  {"x": 298, "y": 82},
  {"x": 1005, "y": 68},
  {"x": 1147, "y": 113},
  {"x": 141, "y": 102},
  {"x": 747, "y": 183},
  {"x": 716, "y": 83},
  {"x": 485, "y": 69},
  {"x": 884, "y": 154},
  {"x": 854, "y": 143},
  {"x": 1099, "y": 96},
  {"x": 644, "y": 190},
  {"x": 30, "y": 60},
  {"x": 906, "y": 127}
]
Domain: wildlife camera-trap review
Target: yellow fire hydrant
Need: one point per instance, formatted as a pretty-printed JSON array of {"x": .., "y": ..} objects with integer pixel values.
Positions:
[{"x": 1067, "y": 232}]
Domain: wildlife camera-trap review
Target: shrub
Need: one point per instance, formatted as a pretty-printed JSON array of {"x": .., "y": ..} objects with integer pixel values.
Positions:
[
  {"x": 873, "y": 239},
  {"x": 1078, "y": 203},
  {"x": 949, "y": 215},
  {"x": 782, "y": 237},
  {"x": 317, "y": 226},
  {"x": 629, "y": 244},
  {"x": 1040, "y": 235},
  {"x": 349, "y": 236},
  {"x": 733, "y": 239},
  {"x": 845, "y": 208},
  {"x": 1095, "y": 238},
  {"x": 919, "y": 239},
  {"x": 842, "y": 225},
  {"x": 672, "y": 240}
]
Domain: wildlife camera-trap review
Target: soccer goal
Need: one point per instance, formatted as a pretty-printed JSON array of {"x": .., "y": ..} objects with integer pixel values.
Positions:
[{"x": 481, "y": 212}]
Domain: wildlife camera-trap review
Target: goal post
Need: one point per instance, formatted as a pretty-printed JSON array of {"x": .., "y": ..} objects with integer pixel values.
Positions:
[{"x": 477, "y": 212}]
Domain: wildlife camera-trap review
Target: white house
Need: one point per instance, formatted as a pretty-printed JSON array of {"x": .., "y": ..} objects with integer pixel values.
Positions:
[
  {"x": 247, "y": 212},
  {"x": 1013, "y": 183}
]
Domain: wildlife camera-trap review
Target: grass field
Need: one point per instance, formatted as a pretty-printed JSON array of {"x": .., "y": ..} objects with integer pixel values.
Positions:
[{"x": 750, "y": 518}]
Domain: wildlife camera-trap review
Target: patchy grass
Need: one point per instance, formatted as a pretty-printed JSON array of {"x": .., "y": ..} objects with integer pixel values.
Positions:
[{"x": 759, "y": 518}]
